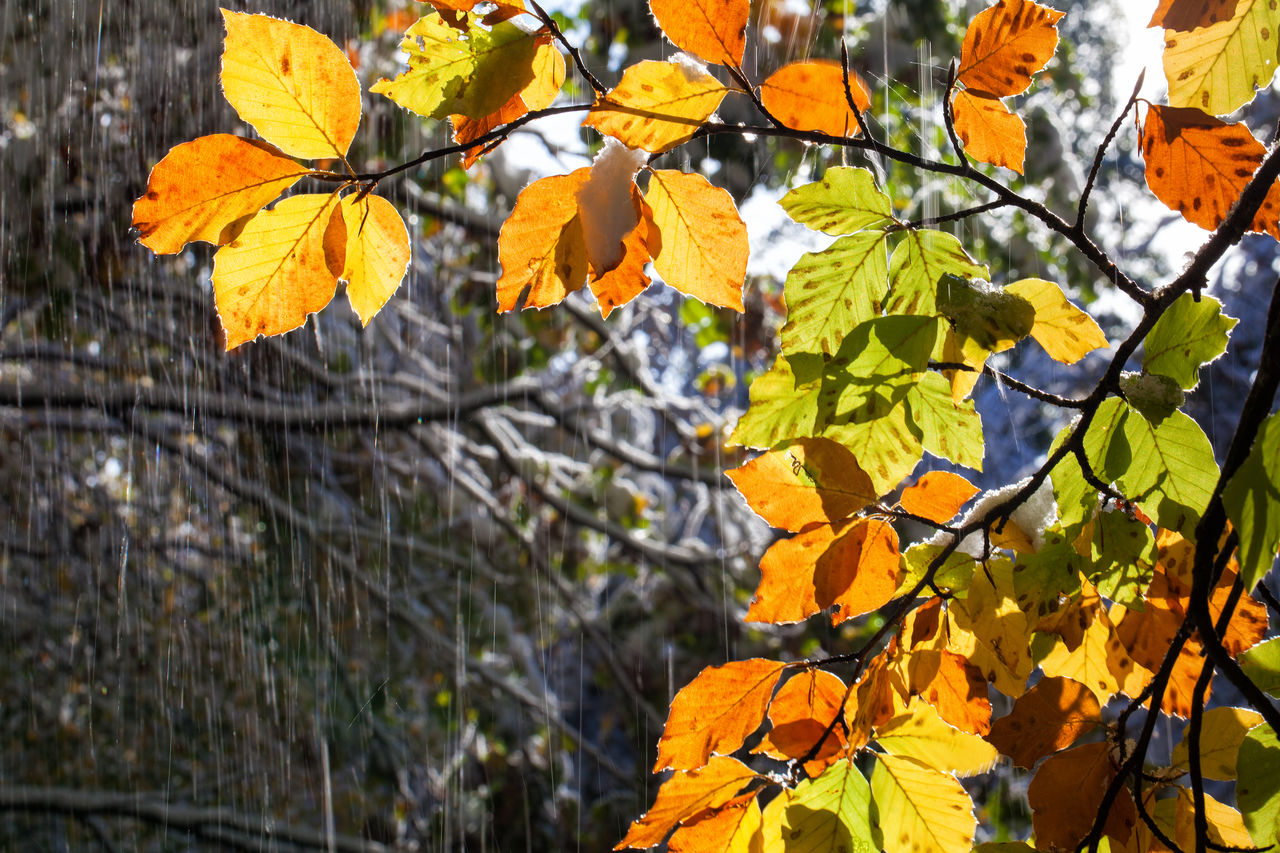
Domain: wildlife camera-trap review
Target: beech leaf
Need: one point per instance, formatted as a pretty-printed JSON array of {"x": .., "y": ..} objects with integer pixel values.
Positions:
[
  {"x": 1066, "y": 333},
  {"x": 1048, "y": 717},
  {"x": 920, "y": 809},
  {"x": 990, "y": 132},
  {"x": 657, "y": 105},
  {"x": 812, "y": 480},
  {"x": 810, "y": 96},
  {"x": 1005, "y": 44},
  {"x": 937, "y": 496},
  {"x": 687, "y": 794},
  {"x": 713, "y": 30},
  {"x": 541, "y": 246},
  {"x": 1216, "y": 68},
  {"x": 704, "y": 249}
]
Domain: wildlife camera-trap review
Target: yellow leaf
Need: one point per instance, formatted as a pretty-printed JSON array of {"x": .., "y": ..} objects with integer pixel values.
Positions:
[
  {"x": 1066, "y": 333},
  {"x": 714, "y": 713},
  {"x": 829, "y": 813},
  {"x": 377, "y": 253},
  {"x": 1089, "y": 663},
  {"x": 921, "y": 810},
  {"x": 1225, "y": 824},
  {"x": 1005, "y": 44},
  {"x": 937, "y": 496},
  {"x": 203, "y": 186},
  {"x": 991, "y": 134},
  {"x": 283, "y": 266},
  {"x": 991, "y": 631},
  {"x": 548, "y": 77},
  {"x": 291, "y": 83},
  {"x": 703, "y": 250},
  {"x": 734, "y": 828},
  {"x": 810, "y": 96},
  {"x": 541, "y": 245},
  {"x": 713, "y": 30},
  {"x": 1046, "y": 718},
  {"x": 472, "y": 73},
  {"x": 922, "y": 735},
  {"x": 811, "y": 480},
  {"x": 1222, "y": 730},
  {"x": 1216, "y": 68},
  {"x": 657, "y": 105},
  {"x": 685, "y": 795}
]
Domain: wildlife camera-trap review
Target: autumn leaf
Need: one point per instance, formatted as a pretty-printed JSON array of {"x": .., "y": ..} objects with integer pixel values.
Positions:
[
  {"x": 990, "y": 132},
  {"x": 810, "y": 96},
  {"x": 473, "y": 73},
  {"x": 1198, "y": 166},
  {"x": 1216, "y": 68},
  {"x": 283, "y": 266},
  {"x": 714, "y": 713},
  {"x": 955, "y": 689},
  {"x": 858, "y": 572},
  {"x": 786, "y": 591},
  {"x": 801, "y": 714},
  {"x": 830, "y": 812},
  {"x": 922, "y": 735},
  {"x": 830, "y": 292},
  {"x": 1187, "y": 15},
  {"x": 713, "y": 30},
  {"x": 549, "y": 74},
  {"x": 811, "y": 480},
  {"x": 1067, "y": 791},
  {"x": 541, "y": 246},
  {"x": 618, "y": 286},
  {"x": 1005, "y": 44},
  {"x": 1222, "y": 730},
  {"x": 703, "y": 250},
  {"x": 657, "y": 105},
  {"x": 990, "y": 630},
  {"x": 1098, "y": 660},
  {"x": 1225, "y": 826},
  {"x": 377, "y": 254},
  {"x": 920, "y": 808},
  {"x": 937, "y": 496},
  {"x": 734, "y": 828},
  {"x": 1066, "y": 333},
  {"x": 291, "y": 83},
  {"x": 237, "y": 177},
  {"x": 685, "y": 795},
  {"x": 1045, "y": 719}
]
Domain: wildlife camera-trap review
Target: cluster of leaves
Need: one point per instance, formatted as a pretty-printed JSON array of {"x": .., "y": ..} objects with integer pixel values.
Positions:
[{"x": 1119, "y": 573}]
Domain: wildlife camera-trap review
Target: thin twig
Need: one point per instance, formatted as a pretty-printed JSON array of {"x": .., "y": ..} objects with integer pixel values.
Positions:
[
  {"x": 1102, "y": 150},
  {"x": 573, "y": 52}
]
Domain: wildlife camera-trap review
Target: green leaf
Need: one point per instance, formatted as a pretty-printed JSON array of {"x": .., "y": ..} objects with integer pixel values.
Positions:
[
  {"x": 887, "y": 448},
  {"x": 1171, "y": 471},
  {"x": 1107, "y": 423},
  {"x": 1252, "y": 501},
  {"x": 831, "y": 292},
  {"x": 782, "y": 408},
  {"x": 830, "y": 812},
  {"x": 919, "y": 262},
  {"x": 952, "y": 431},
  {"x": 472, "y": 73},
  {"x": 844, "y": 201},
  {"x": 1124, "y": 558},
  {"x": 885, "y": 354},
  {"x": 1076, "y": 499},
  {"x": 993, "y": 318},
  {"x": 1262, "y": 664},
  {"x": 953, "y": 575},
  {"x": 920, "y": 808},
  {"x": 1258, "y": 785},
  {"x": 1040, "y": 578},
  {"x": 1190, "y": 333},
  {"x": 1153, "y": 395}
]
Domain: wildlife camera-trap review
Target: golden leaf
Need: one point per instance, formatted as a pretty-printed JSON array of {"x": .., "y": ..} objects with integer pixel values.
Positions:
[
  {"x": 703, "y": 251},
  {"x": 541, "y": 245},
  {"x": 657, "y": 105},
  {"x": 377, "y": 253},
  {"x": 810, "y": 96}
]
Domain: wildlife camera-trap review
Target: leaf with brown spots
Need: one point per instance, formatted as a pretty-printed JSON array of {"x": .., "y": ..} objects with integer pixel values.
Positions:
[
  {"x": 990, "y": 132},
  {"x": 236, "y": 178},
  {"x": 714, "y": 713},
  {"x": 1005, "y": 44},
  {"x": 713, "y": 30},
  {"x": 732, "y": 828},
  {"x": 1187, "y": 15},
  {"x": 937, "y": 496},
  {"x": 1046, "y": 718},
  {"x": 1217, "y": 68},
  {"x": 1198, "y": 165},
  {"x": 921, "y": 808},
  {"x": 541, "y": 246},
  {"x": 810, "y": 96},
  {"x": 657, "y": 105},
  {"x": 1065, "y": 795}
]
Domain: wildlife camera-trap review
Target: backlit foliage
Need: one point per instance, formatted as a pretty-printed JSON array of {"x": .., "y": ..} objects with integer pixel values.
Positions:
[{"x": 1117, "y": 576}]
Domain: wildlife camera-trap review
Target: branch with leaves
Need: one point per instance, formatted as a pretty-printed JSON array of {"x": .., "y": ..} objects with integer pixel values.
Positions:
[{"x": 1119, "y": 570}]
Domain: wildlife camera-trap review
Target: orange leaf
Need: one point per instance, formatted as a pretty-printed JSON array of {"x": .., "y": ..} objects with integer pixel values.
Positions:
[
  {"x": 874, "y": 701},
  {"x": 1197, "y": 165},
  {"x": 801, "y": 712},
  {"x": 1187, "y": 15},
  {"x": 685, "y": 795},
  {"x": 937, "y": 496},
  {"x": 703, "y": 241},
  {"x": 1005, "y": 44},
  {"x": 859, "y": 571},
  {"x": 203, "y": 186},
  {"x": 1066, "y": 793},
  {"x": 466, "y": 129},
  {"x": 624, "y": 282},
  {"x": 786, "y": 591},
  {"x": 714, "y": 713},
  {"x": 714, "y": 30},
  {"x": 1046, "y": 718},
  {"x": 956, "y": 690},
  {"x": 810, "y": 96},
  {"x": 991, "y": 134},
  {"x": 541, "y": 245},
  {"x": 811, "y": 480},
  {"x": 283, "y": 266},
  {"x": 731, "y": 829}
]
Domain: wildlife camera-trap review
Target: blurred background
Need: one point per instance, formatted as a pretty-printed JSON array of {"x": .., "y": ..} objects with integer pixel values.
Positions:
[{"x": 429, "y": 585}]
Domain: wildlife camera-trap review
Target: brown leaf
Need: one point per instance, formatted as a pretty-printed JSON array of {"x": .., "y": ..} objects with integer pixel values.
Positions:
[
  {"x": 714, "y": 713},
  {"x": 1187, "y": 15},
  {"x": 1198, "y": 165},
  {"x": 1046, "y": 718},
  {"x": 1007, "y": 43},
  {"x": 1067, "y": 791}
]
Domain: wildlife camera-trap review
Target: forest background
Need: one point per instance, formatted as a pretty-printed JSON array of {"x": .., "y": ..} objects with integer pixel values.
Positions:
[{"x": 433, "y": 582}]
